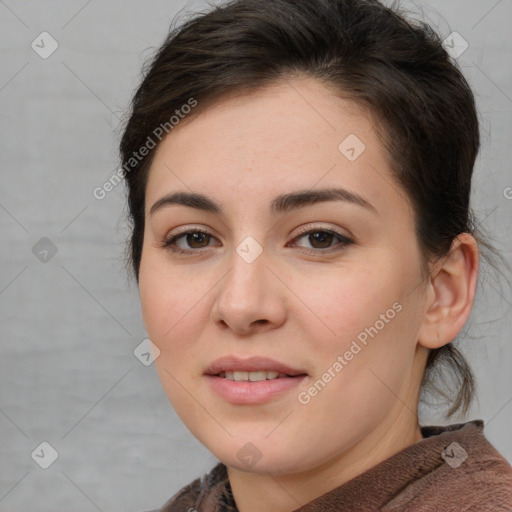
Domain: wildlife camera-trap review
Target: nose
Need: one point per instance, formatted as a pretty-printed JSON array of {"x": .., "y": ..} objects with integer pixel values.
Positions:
[{"x": 250, "y": 298}]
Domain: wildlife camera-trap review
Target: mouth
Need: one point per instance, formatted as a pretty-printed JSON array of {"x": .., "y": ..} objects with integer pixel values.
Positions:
[
  {"x": 251, "y": 369},
  {"x": 255, "y": 380},
  {"x": 243, "y": 376}
]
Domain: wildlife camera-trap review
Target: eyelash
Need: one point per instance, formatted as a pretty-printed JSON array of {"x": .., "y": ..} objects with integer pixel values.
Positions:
[{"x": 169, "y": 243}]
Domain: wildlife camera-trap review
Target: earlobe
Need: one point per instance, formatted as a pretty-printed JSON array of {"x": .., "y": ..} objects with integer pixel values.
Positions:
[{"x": 451, "y": 293}]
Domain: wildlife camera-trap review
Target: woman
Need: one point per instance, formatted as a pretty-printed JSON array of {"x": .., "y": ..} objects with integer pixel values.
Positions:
[{"x": 299, "y": 178}]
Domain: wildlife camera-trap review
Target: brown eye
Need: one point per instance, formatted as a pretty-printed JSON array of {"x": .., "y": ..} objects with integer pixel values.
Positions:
[
  {"x": 196, "y": 240},
  {"x": 188, "y": 241},
  {"x": 323, "y": 238},
  {"x": 321, "y": 241}
]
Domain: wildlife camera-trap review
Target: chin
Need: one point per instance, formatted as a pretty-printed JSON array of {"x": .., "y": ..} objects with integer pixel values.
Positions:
[
  {"x": 277, "y": 464},
  {"x": 260, "y": 457}
]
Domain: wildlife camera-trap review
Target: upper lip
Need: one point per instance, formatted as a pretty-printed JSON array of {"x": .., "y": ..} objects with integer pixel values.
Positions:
[{"x": 250, "y": 364}]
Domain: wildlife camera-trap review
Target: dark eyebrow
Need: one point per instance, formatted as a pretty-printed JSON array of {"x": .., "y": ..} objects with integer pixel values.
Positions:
[
  {"x": 292, "y": 201},
  {"x": 281, "y": 204}
]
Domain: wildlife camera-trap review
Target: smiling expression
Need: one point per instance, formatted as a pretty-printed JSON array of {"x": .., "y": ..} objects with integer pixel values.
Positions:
[{"x": 265, "y": 238}]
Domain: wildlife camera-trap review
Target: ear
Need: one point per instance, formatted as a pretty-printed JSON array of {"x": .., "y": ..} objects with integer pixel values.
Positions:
[{"x": 450, "y": 293}]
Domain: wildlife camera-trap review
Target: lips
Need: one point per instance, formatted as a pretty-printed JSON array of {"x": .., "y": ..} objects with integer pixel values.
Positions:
[
  {"x": 233, "y": 364},
  {"x": 239, "y": 381}
]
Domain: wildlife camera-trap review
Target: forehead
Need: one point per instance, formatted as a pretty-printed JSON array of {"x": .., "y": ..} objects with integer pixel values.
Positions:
[
  {"x": 297, "y": 110},
  {"x": 292, "y": 135}
]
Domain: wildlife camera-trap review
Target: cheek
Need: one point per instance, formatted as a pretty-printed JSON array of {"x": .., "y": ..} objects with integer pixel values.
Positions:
[
  {"x": 174, "y": 311},
  {"x": 343, "y": 301},
  {"x": 364, "y": 313},
  {"x": 170, "y": 311},
  {"x": 161, "y": 303},
  {"x": 156, "y": 301},
  {"x": 364, "y": 346}
]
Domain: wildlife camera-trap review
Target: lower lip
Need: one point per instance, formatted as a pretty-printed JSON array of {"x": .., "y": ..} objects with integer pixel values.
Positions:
[{"x": 247, "y": 392}]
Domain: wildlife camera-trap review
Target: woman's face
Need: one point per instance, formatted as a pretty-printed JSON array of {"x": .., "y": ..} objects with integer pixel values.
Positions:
[{"x": 325, "y": 294}]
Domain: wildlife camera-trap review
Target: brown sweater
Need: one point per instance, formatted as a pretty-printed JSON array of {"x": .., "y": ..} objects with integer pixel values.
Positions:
[{"x": 454, "y": 468}]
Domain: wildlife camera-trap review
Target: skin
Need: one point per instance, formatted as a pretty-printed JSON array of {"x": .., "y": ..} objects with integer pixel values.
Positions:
[{"x": 295, "y": 302}]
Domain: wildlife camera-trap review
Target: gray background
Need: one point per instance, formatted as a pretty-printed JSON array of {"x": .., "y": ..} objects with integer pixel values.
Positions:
[{"x": 69, "y": 325}]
